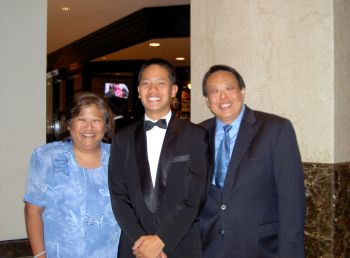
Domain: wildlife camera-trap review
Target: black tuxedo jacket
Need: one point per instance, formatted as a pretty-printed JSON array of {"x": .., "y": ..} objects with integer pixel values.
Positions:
[
  {"x": 170, "y": 209},
  {"x": 260, "y": 211}
]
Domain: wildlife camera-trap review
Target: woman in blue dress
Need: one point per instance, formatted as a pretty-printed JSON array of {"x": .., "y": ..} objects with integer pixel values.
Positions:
[{"x": 67, "y": 204}]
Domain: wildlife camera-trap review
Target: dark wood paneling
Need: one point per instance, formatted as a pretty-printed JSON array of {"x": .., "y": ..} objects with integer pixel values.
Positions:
[{"x": 145, "y": 24}]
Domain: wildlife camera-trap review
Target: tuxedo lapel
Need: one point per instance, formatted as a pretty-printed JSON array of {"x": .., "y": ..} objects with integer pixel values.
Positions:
[
  {"x": 143, "y": 168},
  {"x": 166, "y": 155},
  {"x": 245, "y": 136}
]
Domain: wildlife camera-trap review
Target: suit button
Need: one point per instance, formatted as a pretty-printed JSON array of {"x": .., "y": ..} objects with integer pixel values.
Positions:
[
  {"x": 221, "y": 231},
  {"x": 223, "y": 207}
]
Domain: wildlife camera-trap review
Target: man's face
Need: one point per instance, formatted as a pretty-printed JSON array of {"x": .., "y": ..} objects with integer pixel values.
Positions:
[
  {"x": 224, "y": 97},
  {"x": 156, "y": 91}
]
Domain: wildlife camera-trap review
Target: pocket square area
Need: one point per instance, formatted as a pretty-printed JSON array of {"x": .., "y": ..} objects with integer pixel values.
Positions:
[{"x": 181, "y": 158}]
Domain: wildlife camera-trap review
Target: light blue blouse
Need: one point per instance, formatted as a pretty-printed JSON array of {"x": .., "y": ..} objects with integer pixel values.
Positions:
[{"x": 78, "y": 217}]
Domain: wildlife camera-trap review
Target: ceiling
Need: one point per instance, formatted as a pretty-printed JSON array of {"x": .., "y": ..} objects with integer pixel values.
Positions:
[{"x": 87, "y": 16}]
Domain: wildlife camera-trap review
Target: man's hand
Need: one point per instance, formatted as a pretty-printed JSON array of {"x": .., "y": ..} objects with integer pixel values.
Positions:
[{"x": 150, "y": 246}]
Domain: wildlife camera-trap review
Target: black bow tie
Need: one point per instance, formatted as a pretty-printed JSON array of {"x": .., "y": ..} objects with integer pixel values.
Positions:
[{"x": 161, "y": 123}]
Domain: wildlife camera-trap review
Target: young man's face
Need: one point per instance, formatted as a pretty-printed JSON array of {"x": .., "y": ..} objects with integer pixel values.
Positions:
[
  {"x": 156, "y": 91},
  {"x": 224, "y": 97}
]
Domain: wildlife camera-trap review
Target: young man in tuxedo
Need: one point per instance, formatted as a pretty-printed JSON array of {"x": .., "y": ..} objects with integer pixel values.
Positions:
[
  {"x": 158, "y": 174},
  {"x": 256, "y": 202}
]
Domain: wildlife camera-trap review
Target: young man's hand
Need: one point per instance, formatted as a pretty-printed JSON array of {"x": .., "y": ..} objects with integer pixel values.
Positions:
[{"x": 150, "y": 246}]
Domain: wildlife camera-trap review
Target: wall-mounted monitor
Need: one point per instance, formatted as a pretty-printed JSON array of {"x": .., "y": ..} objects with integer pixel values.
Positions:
[{"x": 119, "y": 90}]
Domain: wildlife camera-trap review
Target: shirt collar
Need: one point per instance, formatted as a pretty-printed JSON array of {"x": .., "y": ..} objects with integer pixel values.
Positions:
[{"x": 167, "y": 118}]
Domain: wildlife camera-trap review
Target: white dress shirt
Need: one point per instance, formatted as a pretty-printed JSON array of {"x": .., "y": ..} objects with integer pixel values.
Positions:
[{"x": 155, "y": 138}]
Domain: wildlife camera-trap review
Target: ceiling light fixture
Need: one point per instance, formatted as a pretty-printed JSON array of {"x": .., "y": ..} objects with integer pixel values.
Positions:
[
  {"x": 180, "y": 58},
  {"x": 65, "y": 9},
  {"x": 154, "y": 44}
]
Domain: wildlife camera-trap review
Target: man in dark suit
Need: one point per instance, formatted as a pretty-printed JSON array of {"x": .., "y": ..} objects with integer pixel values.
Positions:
[
  {"x": 118, "y": 106},
  {"x": 256, "y": 202},
  {"x": 158, "y": 174}
]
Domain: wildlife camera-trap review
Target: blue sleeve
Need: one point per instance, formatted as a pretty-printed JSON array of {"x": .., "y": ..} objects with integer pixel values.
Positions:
[{"x": 36, "y": 188}]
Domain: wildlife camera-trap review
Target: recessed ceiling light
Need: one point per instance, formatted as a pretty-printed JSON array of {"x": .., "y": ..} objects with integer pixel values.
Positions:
[
  {"x": 180, "y": 58},
  {"x": 65, "y": 8},
  {"x": 154, "y": 44}
]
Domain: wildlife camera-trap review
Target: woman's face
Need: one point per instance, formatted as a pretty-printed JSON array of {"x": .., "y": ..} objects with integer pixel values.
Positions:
[{"x": 88, "y": 128}]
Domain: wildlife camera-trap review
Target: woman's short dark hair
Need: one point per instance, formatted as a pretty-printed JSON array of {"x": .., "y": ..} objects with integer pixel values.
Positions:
[
  {"x": 163, "y": 63},
  {"x": 225, "y": 68},
  {"x": 87, "y": 99}
]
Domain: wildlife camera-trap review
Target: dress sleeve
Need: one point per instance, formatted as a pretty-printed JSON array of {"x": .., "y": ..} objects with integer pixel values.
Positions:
[{"x": 36, "y": 181}]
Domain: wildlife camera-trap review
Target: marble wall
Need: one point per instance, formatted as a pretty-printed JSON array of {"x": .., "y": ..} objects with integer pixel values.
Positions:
[
  {"x": 327, "y": 225},
  {"x": 22, "y": 103},
  {"x": 341, "y": 80},
  {"x": 293, "y": 63}
]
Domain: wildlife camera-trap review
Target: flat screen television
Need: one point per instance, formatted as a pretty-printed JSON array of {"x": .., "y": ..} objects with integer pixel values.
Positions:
[{"x": 119, "y": 90}]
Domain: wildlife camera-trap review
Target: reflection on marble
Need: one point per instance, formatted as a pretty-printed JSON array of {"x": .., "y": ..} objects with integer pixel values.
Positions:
[
  {"x": 15, "y": 248},
  {"x": 328, "y": 210}
]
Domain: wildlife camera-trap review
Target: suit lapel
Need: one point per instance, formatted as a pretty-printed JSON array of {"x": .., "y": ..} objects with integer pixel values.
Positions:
[
  {"x": 211, "y": 135},
  {"x": 245, "y": 136},
  {"x": 214, "y": 192}
]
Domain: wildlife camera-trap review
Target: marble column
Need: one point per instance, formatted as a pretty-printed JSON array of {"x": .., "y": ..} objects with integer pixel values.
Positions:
[
  {"x": 295, "y": 59},
  {"x": 327, "y": 226}
]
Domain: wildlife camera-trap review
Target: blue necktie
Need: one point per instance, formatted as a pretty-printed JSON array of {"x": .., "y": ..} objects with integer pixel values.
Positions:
[{"x": 223, "y": 158}]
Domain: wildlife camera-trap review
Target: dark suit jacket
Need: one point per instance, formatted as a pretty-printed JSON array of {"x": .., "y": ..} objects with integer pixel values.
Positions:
[
  {"x": 260, "y": 211},
  {"x": 120, "y": 123},
  {"x": 170, "y": 209}
]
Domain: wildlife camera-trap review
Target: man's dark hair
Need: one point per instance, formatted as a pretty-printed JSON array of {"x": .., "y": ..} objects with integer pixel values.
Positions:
[
  {"x": 163, "y": 63},
  {"x": 225, "y": 68},
  {"x": 117, "y": 105}
]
